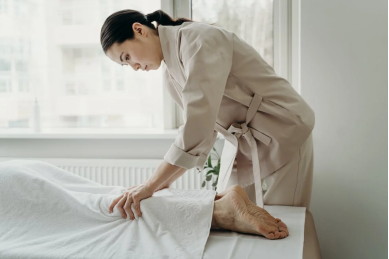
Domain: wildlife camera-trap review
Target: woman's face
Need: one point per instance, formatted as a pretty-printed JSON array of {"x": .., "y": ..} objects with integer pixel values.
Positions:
[{"x": 143, "y": 52}]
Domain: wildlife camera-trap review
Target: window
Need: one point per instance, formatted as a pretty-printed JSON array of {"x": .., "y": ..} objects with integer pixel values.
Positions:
[
  {"x": 52, "y": 52},
  {"x": 251, "y": 20}
]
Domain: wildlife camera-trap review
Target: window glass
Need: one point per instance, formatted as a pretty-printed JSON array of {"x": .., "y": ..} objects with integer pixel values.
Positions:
[
  {"x": 50, "y": 50},
  {"x": 251, "y": 20}
]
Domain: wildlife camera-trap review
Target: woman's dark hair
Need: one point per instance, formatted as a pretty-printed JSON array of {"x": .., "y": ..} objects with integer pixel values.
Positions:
[{"x": 118, "y": 26}]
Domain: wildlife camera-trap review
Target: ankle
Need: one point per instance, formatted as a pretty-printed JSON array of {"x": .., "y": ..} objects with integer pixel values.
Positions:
[
  {"x": 217, "y": 211},
  {"x": 223, "y": 218}
]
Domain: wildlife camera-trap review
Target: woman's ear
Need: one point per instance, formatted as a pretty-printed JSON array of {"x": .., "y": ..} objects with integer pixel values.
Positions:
[{"x": 139, "y": 29}]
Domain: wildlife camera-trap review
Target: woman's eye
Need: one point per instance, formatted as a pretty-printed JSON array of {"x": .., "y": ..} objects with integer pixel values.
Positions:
[{"x": 127, "y": 58}]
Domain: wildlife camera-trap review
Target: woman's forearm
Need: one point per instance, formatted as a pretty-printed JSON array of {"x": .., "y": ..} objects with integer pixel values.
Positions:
[
  {"x": 163, "y": 176},
  {"x": 172, "y": 179},
  {"x": 176, "y": 176}
]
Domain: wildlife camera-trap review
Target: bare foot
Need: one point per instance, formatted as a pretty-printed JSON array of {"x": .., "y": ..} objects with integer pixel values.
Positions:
[{"x": 234, "y": 211}]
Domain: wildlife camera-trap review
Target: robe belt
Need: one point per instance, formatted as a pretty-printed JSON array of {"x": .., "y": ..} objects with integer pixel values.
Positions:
[{"x": 243, "y": 130}]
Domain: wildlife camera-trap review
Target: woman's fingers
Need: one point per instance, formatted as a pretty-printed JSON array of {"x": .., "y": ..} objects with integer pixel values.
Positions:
[
  {"x": 135, "y": 196},
  {"x": 127, "y": 206},
  {"x": 136, "y": 201},
  {"x": 120, "y": 206},
  {"x": 114, "y": 202}
]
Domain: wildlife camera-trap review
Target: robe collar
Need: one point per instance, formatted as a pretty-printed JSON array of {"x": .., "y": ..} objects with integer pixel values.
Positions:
[{"x": 168, "y": 36}]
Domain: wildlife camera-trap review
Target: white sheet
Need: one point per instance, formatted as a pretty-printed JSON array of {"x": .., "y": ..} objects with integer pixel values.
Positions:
[
  {"x": 224, "y": 244},
  {"x": 47, "y": 212}
]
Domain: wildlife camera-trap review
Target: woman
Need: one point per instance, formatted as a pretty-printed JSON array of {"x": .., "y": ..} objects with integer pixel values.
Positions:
[{"x": 223, "y": 85}]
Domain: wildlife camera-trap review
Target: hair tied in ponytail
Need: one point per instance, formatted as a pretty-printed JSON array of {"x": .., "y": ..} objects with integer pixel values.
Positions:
[
  {"x": 162, "y": 18},
  {"x": 115, "y": 27}
]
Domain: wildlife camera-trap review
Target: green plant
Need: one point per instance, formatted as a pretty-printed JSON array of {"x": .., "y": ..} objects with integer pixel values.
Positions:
[{"x": 211, "y": 170}]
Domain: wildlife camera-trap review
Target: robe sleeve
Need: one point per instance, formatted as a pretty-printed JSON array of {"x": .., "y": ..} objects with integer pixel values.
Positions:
[{"x": 207, "y": 65}]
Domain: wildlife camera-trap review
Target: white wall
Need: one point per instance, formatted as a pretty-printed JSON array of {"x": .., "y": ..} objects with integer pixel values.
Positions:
[{"x": 344, "y": 79}]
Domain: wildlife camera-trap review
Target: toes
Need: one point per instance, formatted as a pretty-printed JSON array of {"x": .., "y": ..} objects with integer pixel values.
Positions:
[
  {"x": 285, "y": 230},
  {"x": 278, "y": 234},
  {"x": 275, "y": 235},
  {"x": 283, "y": 227},
  {"x": 282, "y": 234},
  {"x": 270, "y": 236}
]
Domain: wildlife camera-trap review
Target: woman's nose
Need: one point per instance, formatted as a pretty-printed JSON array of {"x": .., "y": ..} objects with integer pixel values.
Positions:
[{"x": 136, "y": 67}]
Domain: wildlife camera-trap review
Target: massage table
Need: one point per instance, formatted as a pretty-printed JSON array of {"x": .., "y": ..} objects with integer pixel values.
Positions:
[{"x": 48, "y": 212}]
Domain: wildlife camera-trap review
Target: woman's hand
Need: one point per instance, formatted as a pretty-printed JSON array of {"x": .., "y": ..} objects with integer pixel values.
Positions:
[
  {"x": 134, "y": 195},
  {"x": 163, "y": 176}
]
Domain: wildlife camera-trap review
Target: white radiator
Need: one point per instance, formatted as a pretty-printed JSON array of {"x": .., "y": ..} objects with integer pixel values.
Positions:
[{"x": 124, "y": 172}]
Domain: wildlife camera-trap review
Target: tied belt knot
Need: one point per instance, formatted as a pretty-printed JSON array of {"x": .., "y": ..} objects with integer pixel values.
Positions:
[
  {"x": 240, "y": 129},
  {"x": 230, "y": 149}
]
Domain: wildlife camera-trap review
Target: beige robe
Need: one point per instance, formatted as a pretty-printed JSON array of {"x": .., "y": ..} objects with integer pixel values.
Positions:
[{"x": 224, "y": 85}]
